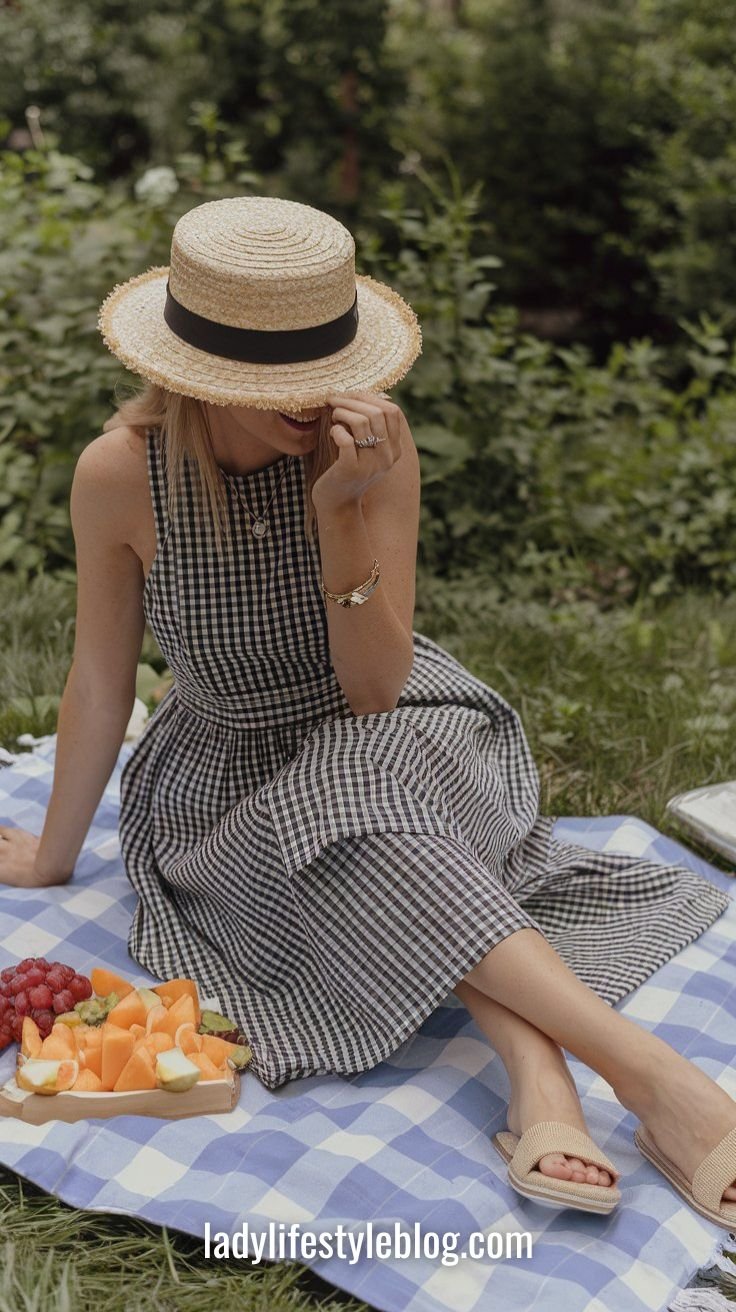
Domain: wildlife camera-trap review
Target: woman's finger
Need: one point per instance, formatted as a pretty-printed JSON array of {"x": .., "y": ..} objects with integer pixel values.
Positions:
[{"x": 383, "y": 418}]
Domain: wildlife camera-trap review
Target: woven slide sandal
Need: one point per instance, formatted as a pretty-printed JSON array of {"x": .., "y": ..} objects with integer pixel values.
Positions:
[
  {"x": 715, "y": 1173},
  {"x": 522, "y": 1155}
]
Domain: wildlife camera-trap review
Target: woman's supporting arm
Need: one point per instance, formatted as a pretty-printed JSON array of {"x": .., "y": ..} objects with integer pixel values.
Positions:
[
  {"x": 110, "y": 481},
  {"x": 89, "y": 738}
]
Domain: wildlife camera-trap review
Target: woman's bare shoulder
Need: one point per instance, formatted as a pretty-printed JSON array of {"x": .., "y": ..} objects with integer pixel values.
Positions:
[
  {"x": 115, "y": 453},
  {"x": 111, "y": 479}
]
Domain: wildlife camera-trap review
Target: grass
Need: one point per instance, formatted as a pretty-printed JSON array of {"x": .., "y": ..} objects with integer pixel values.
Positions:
[
  {"x": 56, "y": 1257},
  {"x": 623, "y": 707}
]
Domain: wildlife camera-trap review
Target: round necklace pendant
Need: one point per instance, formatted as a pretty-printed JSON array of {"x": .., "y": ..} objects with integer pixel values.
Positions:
[{"x": 259, "y": 528}]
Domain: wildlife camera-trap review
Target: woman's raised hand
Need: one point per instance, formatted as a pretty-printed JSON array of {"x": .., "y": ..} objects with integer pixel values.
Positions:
[{"x": 356, "y": 415}]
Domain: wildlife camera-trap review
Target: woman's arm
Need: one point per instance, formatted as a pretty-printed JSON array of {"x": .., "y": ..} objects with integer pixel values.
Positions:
[
  {"x": 89, "y": 737},
  {"x": 372, "y": 645},
  {"x": 99, "y": 694}
]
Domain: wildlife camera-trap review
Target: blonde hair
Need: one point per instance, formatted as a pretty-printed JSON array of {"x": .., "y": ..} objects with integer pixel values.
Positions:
[{"x": 185, "y": 428}]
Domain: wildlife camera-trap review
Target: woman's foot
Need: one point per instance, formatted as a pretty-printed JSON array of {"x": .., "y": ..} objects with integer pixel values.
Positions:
[
  {"x": 683, "y": 1110},
  {"x": 544, "y": 1090}
]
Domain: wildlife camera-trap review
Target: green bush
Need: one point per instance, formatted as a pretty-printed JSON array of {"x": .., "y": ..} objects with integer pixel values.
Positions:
[
  {"x": 65, "y": 240},
  {"x": 604, "y": 479}
]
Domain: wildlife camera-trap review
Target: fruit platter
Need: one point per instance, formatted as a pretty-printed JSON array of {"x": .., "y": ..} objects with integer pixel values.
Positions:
[{"x": 100, "y": 1046}]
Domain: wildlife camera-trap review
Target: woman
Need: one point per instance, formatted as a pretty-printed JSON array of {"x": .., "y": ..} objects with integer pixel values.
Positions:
[{"x": 329, "y": 822}]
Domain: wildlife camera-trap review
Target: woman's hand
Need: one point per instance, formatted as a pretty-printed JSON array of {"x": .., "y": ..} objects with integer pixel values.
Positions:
[
  {"x": 18, "y": 850},
  {"x": 357, "y": 415}
]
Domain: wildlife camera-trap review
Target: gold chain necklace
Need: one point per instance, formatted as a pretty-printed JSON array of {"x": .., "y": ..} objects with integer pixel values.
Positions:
[{"x": 259, "y": 528}]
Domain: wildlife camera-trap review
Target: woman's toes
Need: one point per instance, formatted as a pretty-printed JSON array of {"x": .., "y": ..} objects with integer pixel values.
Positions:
[
  {"x": 729, "y": 1194},
  {"x": 554, "y": 1164},
  {"x": 572, "y": 1168},
  {"x": 561, "y": 1167},
  {"x": 579, "y": 1170}
]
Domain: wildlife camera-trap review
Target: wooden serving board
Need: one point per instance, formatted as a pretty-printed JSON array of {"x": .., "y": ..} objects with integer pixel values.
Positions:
[{"x": 204, "y": 1098}]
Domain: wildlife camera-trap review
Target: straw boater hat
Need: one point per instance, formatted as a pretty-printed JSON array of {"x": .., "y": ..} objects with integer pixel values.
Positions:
[{"x": 260, "y": 306}]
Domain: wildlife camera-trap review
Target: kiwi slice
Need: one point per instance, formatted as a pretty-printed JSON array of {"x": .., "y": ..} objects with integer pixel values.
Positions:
[
  {"x": 94, "y": 1010},
  {"x": 211, "y": 1022}
]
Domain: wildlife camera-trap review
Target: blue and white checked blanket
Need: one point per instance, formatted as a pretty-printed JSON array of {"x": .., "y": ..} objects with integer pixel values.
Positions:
[{"x": 407, "y": 1142}]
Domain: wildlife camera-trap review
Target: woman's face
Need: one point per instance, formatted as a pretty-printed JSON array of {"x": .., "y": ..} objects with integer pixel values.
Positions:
[{"x": 271, "y": 428}]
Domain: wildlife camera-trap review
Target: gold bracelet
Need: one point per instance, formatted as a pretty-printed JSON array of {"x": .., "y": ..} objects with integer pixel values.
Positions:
[{"x": 359, "y": 594}]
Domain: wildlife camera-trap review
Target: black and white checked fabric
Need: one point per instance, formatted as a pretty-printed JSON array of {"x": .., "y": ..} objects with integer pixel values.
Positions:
[{"x": 331, "y": 877}]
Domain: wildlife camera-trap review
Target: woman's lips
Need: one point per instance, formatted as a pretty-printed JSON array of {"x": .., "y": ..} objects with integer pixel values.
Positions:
[{"x": 300, "y": 425}]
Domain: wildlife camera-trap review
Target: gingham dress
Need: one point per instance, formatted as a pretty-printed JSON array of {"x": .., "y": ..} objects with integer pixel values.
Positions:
[{"x": 330, "y": 876}]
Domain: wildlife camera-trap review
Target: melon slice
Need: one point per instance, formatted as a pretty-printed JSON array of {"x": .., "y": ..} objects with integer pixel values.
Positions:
[
  {"x": 106, "y": 981},
  {"x": 157, "y": 1019},
  {"x": 156, "y": 1043},
  {"x": 130, "y": 1010},
  {"x": 188, "y": 1040},
  {"x": 90, "y": 1059},
  {"x": 30, "y": 1041},
  {"x": 218, "y": 1050},
  {"x": 175, "y": 988},
  {"x": 139, "y": 1072},
  {"x": 80, "y": 1034},
  {"x": 180, "y": 1011},
  {"x": 207, "y": 1066},
  {"x": 37, "y": 1075},
  {"x": 87, "y": 1082},
  {"x": 59, "y": 1045},
  {"x": 117, "y": 1046}
]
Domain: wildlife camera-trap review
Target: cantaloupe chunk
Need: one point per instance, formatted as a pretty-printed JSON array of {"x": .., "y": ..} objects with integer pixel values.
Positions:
[
  {"x": 66, "y": 1034},
  {"x": 79, "y": 1033},
  {"x": 139, "y": 1072},
  {"x": 30, "y": 1040},
  {"x": 117, "y": 1046},
  {"x": 38, "y": 1075},
  {"x": 156, "y": 1042},
  {"x": 90, "y": 1058},
  {"x": 175, "y": 988},
  {"x": 106, "y": 981},
  {"x": 207, "y": 1066},
  {"x": 138, "y": 1030},
  {"x": 168, "y": 1020},
  {"x": 218, "y": 1050},
  {"x": 177, "y": 1014},
  {"x": 87, "y": 1082},
  {"x": 56, "y": 1048},
  {"x": 182, "y": 1012},
  {"x": 189, "y": 1041},
  {"x": 131, "y": 1010},
  {"x": 157, "y": 1019}
]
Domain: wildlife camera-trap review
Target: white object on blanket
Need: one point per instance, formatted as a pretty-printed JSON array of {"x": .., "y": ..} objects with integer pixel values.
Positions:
[
  {"x": 710, "y": 813},
  {"x": 137, "y": 721},
  {"x": 700, "y": 1300},
  {"x": 136, "y": 724},
  {"x": 28, "y": 740}
]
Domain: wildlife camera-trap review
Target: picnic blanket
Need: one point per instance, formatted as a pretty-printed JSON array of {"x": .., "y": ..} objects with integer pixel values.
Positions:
[{"x": 405, "y": 1143}]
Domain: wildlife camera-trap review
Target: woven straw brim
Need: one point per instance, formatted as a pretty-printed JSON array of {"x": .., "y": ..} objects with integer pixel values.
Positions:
[{"x": 383, "y": 350}]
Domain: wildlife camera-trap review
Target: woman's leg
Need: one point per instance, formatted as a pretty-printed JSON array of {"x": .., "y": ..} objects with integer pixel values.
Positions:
[
  {"x": 685, "y": 1112},
  {"x": 542, "y": 1088}
]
